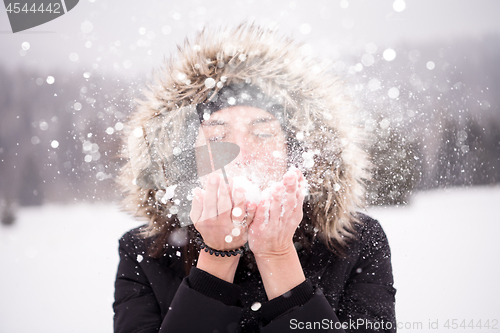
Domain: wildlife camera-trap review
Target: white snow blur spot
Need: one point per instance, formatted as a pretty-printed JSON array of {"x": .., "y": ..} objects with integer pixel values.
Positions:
[
  {"x": 237, "y": 211},
  {"x": 344, "y": 4},
  {"x": 44, "y": 125},
  {"x": 209, "y": 83},
  {"x": 86, "y": 75},
  {"x": 176, "y": 151},
  {"x": 256, "y": 306},
  {"x": 54, "y": 144},
  {"x": 169, "y": 194},
  {"x": 242, "y": 57},
  {"x": 86, "y": 27},
  {"x": 139, "y": 258},
  {"x": 110, "y": 130},
  {"x": 178, "y": 253},
  {"x": 118, "y": 126},
  {"x": 300, "y": 136},
  {"x": 88, "y": 158},
  {"x": 393, "y": 93},
  {"x": 25, "y": 46},
  {"x": 389, "y": 54},
  {"x": 206, "y": 116},
  {"x": 462, "y": 136},
  {"x": 88, "y": 44},
  {"x": 430, "y": 65},
  {"x": 336, "y": 187},
  {"x": 73, "y": 57},
  {"x": 228, "y": 239},
  {"x": 384, "y": 123},
  {"x": 277, "y": 154},
  {"x": 77, "y": 106},
  {"x": 50, "y": 79},
  {"x": 231, "y": 100},
  {"x": 399, "y": 5},
  {"x": 367, "y": 60},
  {"x": 142, "y": 31},
  {"x": 138, "y": 132},
  {"x": 166, "y": 30},
  {"x": 236, "y": 232},
  {"x": 308, "y": 158},
  {"x": 35, "y": 140},
  {"x": 305, "y": 28}
]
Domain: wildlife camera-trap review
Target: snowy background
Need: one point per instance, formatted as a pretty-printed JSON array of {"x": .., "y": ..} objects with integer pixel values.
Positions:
[
  {"x": 425, "y": 75},
  {"x": 59, "y": 263}
]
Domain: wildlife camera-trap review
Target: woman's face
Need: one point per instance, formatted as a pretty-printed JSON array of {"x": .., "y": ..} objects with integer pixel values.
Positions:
[{"x": 258, "y": 133}]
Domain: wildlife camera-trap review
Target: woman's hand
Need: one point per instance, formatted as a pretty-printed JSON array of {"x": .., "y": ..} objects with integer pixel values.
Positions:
[
  {"x": 271, "y": 238},
  {"x": 276, "y": 219},
  {"x": 223, "y": 224}
]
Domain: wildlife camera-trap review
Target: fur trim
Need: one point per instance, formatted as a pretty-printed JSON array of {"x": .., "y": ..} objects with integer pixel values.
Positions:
[{"x": 321, "y": 115}]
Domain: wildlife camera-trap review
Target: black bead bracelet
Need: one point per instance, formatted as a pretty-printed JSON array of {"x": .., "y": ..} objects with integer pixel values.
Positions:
[{"x": 217, "y": 253}]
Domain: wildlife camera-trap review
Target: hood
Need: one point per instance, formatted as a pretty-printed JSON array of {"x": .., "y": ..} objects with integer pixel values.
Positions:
[{"x": 321, "y": 116}]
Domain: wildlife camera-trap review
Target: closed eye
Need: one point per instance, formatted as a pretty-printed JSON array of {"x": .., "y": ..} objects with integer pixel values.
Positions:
[
  {"x": 216, "y": 138},
  {"x": 264, "y": 135}
]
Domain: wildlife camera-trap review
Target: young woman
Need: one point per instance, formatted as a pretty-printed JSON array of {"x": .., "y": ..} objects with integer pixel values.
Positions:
[{"x": 247, "y": 166}]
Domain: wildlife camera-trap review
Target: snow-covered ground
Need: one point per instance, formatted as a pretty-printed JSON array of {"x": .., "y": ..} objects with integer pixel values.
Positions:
[{"x": 58, "y": 263}]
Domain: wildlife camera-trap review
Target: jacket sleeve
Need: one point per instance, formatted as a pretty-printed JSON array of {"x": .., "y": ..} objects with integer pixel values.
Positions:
[
  {"x": 136, "y": 308},
  {"x": 369, "y": 296},
  {"x": 195, "y": 307},
  {"x": 367, "y": 303}
]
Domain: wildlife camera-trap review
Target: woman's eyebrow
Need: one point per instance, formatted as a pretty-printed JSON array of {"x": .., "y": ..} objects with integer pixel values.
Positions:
[
  {"x": 262, "y": 120},
  {"x": 213, "y": 123}
]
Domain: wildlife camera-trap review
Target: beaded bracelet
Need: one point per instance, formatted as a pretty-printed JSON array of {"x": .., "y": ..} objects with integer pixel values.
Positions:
[{"x": 208, "y": 249}]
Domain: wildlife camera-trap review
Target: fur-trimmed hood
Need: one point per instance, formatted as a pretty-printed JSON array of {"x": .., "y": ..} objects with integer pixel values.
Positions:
[{"x": 321, "y": 116}]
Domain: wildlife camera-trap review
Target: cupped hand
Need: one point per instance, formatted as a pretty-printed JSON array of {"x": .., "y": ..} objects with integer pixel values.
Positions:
[
  {"x": 221, "y": 220},
  {"x": 276, "y": 219}
]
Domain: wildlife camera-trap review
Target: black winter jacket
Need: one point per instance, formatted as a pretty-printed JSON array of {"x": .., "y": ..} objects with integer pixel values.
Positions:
[{"x": 351, "y": 294}]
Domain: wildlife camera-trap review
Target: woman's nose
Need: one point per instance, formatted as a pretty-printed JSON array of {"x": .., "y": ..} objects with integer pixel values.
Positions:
[{"x": 246, "y": 149}]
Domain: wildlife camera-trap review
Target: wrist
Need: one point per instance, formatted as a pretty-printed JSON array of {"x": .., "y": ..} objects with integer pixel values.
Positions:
[
  {"x": 276, "y": 256},
  {"x": 280, "y": 273},
  {"x": 222, "y": 267}
]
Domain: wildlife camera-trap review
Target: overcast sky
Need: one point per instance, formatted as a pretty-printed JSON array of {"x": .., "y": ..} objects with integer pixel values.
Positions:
[{"x": 133, "y": 36}]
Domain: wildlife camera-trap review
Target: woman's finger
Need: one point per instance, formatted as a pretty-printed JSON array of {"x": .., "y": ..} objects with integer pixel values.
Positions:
[
  {"x": 251, "y": 208},
  {"x": 197, "y": 205},
  {"x": 275, "y": 208},
  {"x": 259, "y": 221},
  {"x": 210, "y": 197},
  {"x": 291, "y": 189},
  {"x": 238, "y": 213},
  {"x": 224, "y": 203}
]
